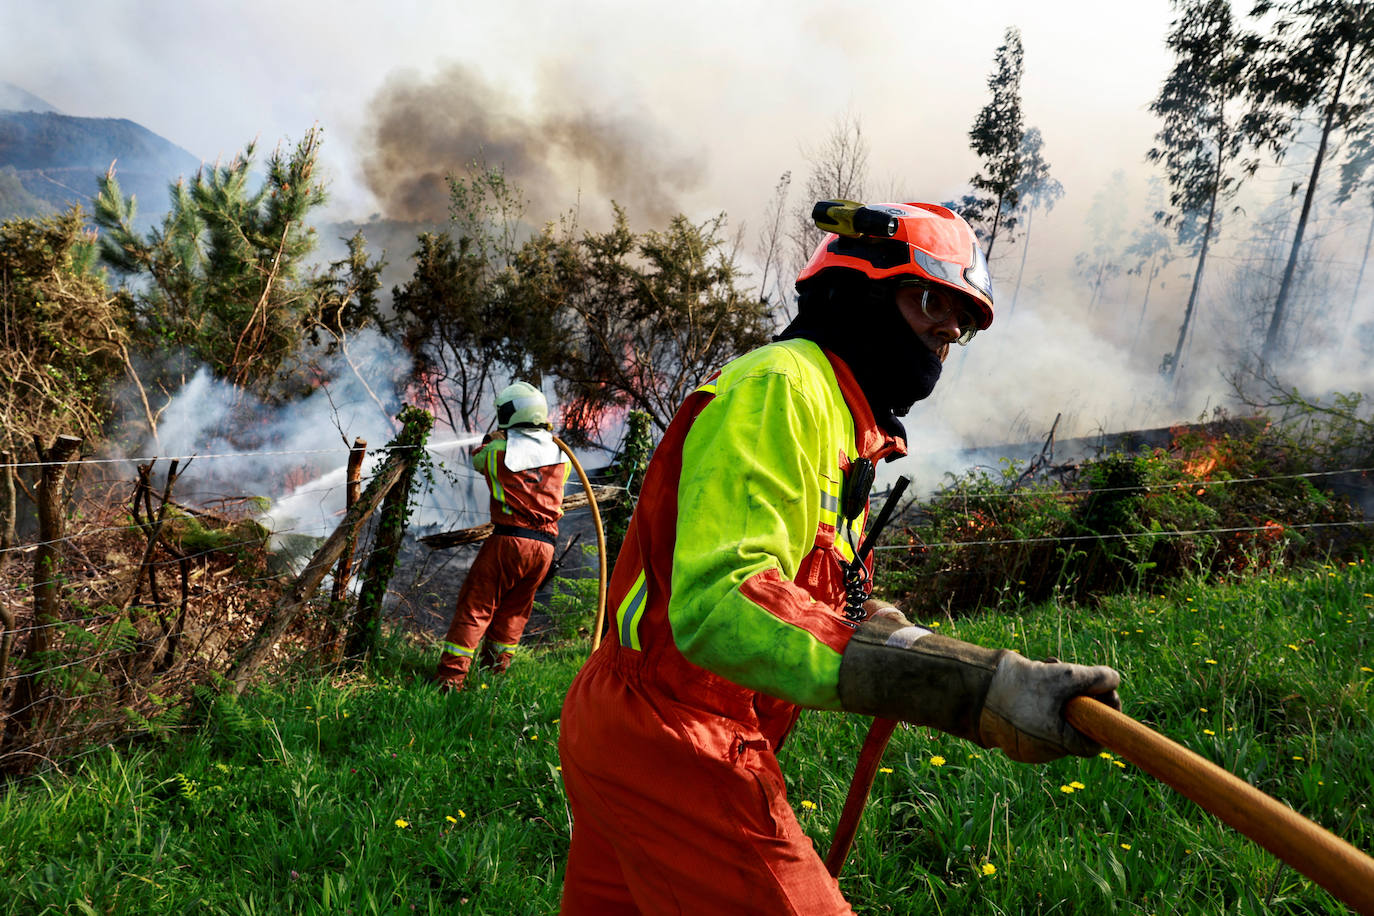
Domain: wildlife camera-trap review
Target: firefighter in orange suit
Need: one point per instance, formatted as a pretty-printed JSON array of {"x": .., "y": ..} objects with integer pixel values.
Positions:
[
  {"x": 526, "y": 471},
  {"x": 737, "y": 599}
]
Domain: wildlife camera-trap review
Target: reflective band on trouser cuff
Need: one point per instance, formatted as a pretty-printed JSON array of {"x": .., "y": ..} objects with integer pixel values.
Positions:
[
  {"x": 452, "y": 648},
  {"x": 628, "y": 614},
  {"x": 501, "y": 646}
]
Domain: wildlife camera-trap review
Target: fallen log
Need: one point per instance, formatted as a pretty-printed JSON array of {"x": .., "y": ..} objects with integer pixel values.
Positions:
[{"x": 605, "y": 496}]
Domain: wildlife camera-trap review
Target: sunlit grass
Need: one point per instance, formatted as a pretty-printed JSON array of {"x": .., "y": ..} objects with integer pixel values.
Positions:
[{"x": 376, "y": 794}]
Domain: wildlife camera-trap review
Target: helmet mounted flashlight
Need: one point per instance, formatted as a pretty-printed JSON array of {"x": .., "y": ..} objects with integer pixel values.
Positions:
[{"x": 851, "y": 218}]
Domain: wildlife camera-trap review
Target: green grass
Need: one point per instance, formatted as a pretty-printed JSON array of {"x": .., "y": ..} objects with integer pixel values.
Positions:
[{"x": 377, "y": 794}]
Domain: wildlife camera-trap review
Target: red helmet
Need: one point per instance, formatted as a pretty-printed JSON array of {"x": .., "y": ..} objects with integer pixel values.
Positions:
[{"x": 917, "y": 243}]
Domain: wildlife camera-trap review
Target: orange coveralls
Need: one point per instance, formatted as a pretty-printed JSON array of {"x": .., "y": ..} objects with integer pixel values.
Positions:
[
  {"x": 495, "y": 601},
  {"x": 728, "y": 599}
]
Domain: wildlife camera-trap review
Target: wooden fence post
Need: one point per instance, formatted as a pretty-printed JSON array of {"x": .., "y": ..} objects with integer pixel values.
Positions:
[
  {"x": 343, "y": 571},
  {"x": 26, "y": 701},
  {"x": 399, "y": 464},
  {"x": 9, "y": 504},
  {"x": 365, "y": 628}
]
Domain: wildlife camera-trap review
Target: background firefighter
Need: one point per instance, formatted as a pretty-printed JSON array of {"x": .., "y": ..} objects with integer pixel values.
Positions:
[
  {"x": 525, "y": 471},
  {"x": 737, "y": 601}
]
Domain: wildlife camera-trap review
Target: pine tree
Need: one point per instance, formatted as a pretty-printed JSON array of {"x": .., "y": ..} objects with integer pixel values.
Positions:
[{"x": 221, "y": 283}]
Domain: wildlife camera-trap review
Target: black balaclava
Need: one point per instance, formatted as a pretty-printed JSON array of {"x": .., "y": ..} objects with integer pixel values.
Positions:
[{"x": 858, "y": 320}]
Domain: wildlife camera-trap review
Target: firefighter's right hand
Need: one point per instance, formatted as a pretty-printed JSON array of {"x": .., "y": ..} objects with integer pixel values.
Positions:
[{"x": 995, "y": 698}]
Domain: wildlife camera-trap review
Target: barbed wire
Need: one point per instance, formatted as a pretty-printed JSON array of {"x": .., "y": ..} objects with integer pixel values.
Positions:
[
  {"x": 143, "y": 459},
  {"x": 955, "y": 490},
  {"x": 1191, "y": 532}
]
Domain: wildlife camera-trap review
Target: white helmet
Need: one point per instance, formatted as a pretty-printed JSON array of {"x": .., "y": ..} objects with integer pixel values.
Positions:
[{"x": 521, "y": 404}]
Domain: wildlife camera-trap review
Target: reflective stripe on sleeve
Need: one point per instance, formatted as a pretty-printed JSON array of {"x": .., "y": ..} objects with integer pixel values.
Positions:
[
  {"x": 498, "y": 492},
  {"x": 631, "y": 609}
]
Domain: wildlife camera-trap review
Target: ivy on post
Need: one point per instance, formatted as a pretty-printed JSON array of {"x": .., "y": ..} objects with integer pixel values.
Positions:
[
  {"x": 27, "y": 705},
  {"x": 365, "y": 630}
]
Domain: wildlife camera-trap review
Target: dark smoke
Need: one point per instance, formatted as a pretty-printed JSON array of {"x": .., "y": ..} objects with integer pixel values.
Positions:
[{"x": 420, "y": 130}]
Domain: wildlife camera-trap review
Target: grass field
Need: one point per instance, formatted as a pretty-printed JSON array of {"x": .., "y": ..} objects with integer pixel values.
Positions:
[{"x": 376, "y": 794}]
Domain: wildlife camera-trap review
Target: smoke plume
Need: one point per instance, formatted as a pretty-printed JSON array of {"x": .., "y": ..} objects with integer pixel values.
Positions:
[{"x": 556, "y": 150}]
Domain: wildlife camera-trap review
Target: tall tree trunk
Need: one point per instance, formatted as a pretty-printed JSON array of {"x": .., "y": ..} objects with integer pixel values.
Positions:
[
  {"x": 1149, "y": 282},
  {"x": 1359, "y": 278},
  {"x": 1197, "y": 278},
  {"x": 1271, "y": 339},
  {"x": 1025, "y": 247},
  {"x": 992, "y": 236}
]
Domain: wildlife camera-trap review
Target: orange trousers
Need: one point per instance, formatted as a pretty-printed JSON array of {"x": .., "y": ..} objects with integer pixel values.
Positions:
[
  {"x": 676, "y": 809},
  {"x": 494, "y": 604}
]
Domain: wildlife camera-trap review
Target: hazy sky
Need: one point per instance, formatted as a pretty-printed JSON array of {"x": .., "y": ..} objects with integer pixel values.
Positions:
[
  {"x": 723, "y": 96},
  {"x": 693, "y": 106}
]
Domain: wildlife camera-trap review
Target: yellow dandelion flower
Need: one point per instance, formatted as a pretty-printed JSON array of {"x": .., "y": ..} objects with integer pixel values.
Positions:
[
  {"x": 1211, "y": 661},
  {"x": 1297, "y": 756},
  {"x": 989, "y": 868},
  {"x": 937, "y": 761},
  {"x": 1119, "y": 763},
  {"x": 1293, "y": 647},
  {"x": 1067, "y": 790},
  {"x": 1208, "y": 731},
  {"x": 884, "y": 769},
  {"x": 1105, "y": 755},
  {"x": 808, "y": 804},
  {"x": 1366, "y": 669},
  {"x": 402, "y": 823},
  {"x": 1077, "y": 785},
  {"x": 534, "y": 737},
  {"x": 935, "y": 625},
  {"x": 450, "y": 818},
  {"x": 462, "y": 813},
  {"x": 483, "y": 686},
  {"x": 1202, "y": 709},
  {"x": 1126, "y": 846}
]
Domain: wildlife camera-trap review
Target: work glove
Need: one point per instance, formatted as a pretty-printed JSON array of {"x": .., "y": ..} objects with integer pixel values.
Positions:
[{"x": 995, "y": 698}]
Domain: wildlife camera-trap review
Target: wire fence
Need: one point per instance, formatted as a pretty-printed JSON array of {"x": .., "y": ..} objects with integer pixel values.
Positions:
[{"x": 129, "y": 633}]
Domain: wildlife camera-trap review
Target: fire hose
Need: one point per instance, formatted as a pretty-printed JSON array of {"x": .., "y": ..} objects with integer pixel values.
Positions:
[
  {"x": 1329, "y": 861},
  {"x": 600, "y": 543}
]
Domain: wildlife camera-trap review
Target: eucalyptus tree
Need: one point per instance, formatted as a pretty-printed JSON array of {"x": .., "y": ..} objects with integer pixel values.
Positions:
[
  {"x": 998, "y": 138},
  {"x": 1152, "y": 249},
  {"x": 1036, "y": 189},
  {"x": 1320, "y": 56},
  {"x": 1207, "y": 124},
  {"x": 1106, "y": 220}
]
